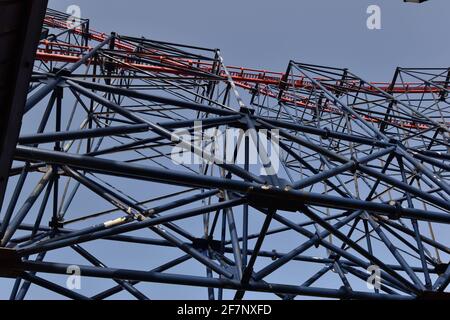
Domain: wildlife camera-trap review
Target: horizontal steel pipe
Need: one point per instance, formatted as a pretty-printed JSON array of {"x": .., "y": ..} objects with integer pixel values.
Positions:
[
  {"x": 81, "y": 134},
  {"x": 148, "y": 173},
  {"x": 144, "y": 276}
]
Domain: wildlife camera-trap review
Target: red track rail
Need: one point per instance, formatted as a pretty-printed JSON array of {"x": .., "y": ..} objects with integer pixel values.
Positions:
[
  {"x": 243, "y": 77},
  {"x": 239, "y": 74}
]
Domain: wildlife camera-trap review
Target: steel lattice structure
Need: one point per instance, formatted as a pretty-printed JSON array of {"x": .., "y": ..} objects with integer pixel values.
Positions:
[{"x": 363, "y": 177}]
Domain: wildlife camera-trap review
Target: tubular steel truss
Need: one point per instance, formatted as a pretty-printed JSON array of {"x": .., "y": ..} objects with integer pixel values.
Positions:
[{"x": 363, "y": 179}]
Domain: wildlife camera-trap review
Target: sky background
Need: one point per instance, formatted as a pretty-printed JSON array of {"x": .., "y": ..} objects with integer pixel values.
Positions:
[{"x": 266, "y": 35}]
